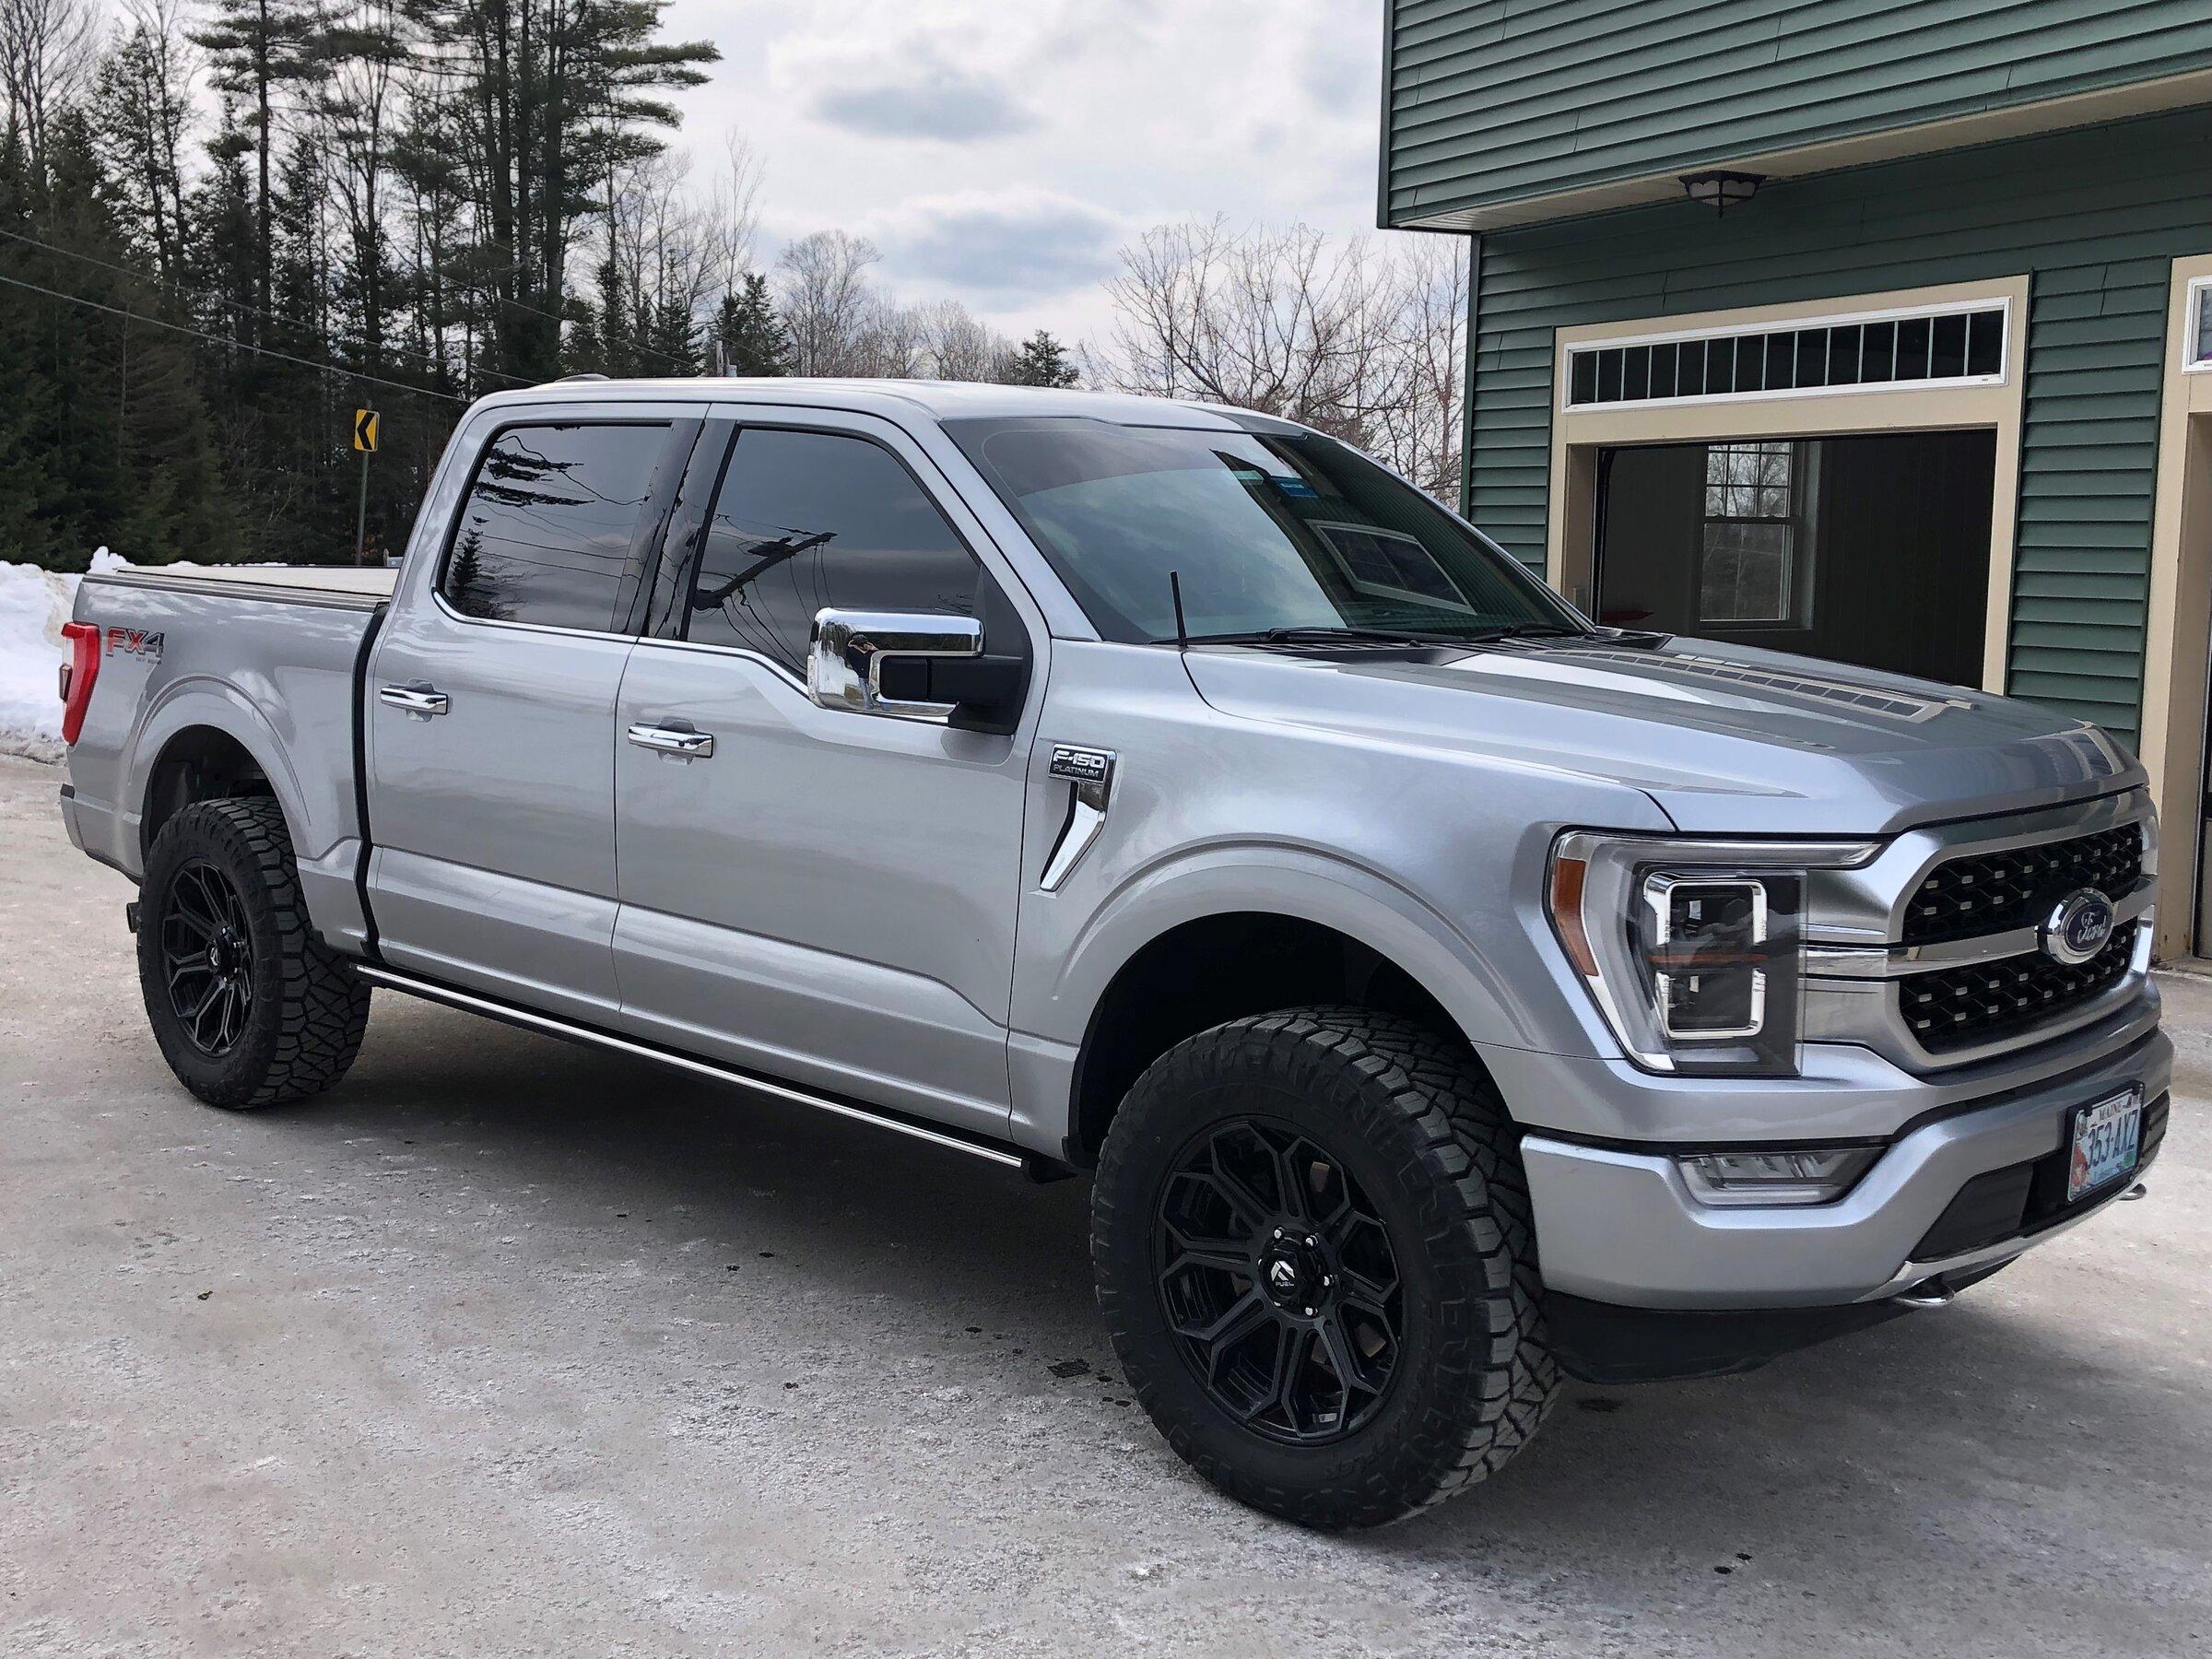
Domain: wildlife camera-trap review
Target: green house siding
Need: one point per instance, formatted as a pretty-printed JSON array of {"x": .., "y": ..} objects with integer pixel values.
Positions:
[
  {"x": 1489, "y": 101},
  {"x": 2093, "y": 217}
]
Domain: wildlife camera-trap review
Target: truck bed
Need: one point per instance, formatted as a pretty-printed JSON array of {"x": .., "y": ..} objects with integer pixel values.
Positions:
[{"x": 254, "y": 671}]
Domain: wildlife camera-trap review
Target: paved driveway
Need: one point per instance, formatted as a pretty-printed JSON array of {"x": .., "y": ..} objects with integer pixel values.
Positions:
[{"x": 506, "y": 1346}]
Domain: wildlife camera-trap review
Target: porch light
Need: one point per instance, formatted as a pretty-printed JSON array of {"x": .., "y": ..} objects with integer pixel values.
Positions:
[{"x": 1722, "y": 191}]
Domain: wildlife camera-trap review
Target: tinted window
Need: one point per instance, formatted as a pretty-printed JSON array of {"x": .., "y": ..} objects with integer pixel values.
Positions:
[
  {"x": 806, "y": 519},
  {"x": 547, "y": 525},
  {"x": 1262, "y": 531}
]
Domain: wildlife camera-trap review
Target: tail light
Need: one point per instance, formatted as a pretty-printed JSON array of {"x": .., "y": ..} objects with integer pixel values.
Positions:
[{"x": 77, "y": 675}]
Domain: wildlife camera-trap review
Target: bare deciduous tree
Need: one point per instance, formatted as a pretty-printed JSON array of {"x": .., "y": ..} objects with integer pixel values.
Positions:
[
  {"x": 1335, "y": 335},
  {"x": 823, "y": 292},
  {"x": 955, "y": 346},
  {"x": 47, "y": 52}
]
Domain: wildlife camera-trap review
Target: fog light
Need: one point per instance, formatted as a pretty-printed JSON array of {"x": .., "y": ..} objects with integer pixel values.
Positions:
[{"x": 1725, "y": 1178}]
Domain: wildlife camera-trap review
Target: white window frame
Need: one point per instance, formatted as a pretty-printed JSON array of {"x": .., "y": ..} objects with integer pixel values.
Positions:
[
  {"x": 2197, "y": 350},
  {"x": 1835, "y": 320}
]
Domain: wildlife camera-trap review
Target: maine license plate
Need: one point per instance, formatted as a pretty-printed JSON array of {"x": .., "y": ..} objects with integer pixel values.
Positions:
[{"x": 2108, "y": 1139}]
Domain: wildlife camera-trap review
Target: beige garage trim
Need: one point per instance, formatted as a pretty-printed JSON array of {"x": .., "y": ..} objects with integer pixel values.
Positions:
[
  {"x": 2178, "y": 627},
  {"x": 1577, "y": 435}
]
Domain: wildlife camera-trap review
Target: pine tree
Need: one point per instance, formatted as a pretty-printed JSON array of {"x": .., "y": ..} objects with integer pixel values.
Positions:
[
  {"x": 1042, "y": 361},
  {"x": 263, "y": 51},
  {"x": 752, "y": 337},
  {"x": 28, "y": 488},
  {"x": 672, "y": 341}
]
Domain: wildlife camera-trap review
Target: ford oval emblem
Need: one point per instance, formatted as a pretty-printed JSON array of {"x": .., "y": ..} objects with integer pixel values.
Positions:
[{"x": 2080, "y": 926}]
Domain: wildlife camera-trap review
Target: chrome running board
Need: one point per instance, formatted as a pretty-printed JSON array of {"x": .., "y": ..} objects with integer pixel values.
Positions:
[{"x": 1006, "y": 1157}]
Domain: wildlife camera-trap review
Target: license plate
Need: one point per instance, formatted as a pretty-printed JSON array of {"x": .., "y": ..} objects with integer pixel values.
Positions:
[{"x": 2108, "y": 1139}]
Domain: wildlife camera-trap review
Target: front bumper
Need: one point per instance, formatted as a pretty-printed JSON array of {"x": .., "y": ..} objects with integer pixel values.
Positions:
[{"x": 1615, "y": 1224}]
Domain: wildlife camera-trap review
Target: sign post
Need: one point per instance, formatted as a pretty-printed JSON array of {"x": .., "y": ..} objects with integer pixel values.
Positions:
[{"x": 364, "y": 439}]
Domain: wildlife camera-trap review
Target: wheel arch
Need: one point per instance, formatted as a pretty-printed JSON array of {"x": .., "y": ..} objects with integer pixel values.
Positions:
[
  {"x": 208, "y": 744},
  {"x": 1204, "y": 944}
]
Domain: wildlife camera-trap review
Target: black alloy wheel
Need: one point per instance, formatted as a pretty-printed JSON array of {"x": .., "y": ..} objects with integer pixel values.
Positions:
[
  {"x": 1315, "y": 1256},
  {"x": 207, "y": 957},
  {"x": 1279, "y": 1282},
  {"x": 249, "y": 1006}
]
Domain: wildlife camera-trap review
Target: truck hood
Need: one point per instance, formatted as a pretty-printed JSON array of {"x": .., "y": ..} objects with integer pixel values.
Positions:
[{"x": 1726, "y": 739}]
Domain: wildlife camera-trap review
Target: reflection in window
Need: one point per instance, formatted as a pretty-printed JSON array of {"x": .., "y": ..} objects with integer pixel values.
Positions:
[
  {"x": 545, "y": 531},
  {"x": 1747, "y": 567},
  {"x": 806, "y": 519},
  {"x": 2202, "y": 351}
]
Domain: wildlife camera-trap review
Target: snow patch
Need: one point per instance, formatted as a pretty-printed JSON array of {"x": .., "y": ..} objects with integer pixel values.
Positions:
[{"x": 33, "y": 605}]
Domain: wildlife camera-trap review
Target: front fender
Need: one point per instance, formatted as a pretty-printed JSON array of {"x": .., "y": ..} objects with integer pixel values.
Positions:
[{"x": 1278, "y": 879}]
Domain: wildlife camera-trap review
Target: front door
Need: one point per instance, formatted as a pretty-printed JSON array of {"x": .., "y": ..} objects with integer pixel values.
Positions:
[
  {"x": 823, "y": 895},
  {"x": 491, "y": 710}
]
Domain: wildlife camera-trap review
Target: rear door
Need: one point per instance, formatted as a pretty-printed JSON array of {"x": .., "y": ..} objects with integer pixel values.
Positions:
[
  {"x": 818, "y": 893},
  {"x": 491, "y": 704}
]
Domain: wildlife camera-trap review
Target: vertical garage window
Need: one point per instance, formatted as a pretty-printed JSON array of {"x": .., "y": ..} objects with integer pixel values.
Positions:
[
  {"x": 2200, "y": 323},
  {"x": 1749, "y": 563}
]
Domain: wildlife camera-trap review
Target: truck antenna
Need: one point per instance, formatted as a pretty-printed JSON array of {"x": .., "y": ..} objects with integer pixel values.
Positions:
[{"x": 1183, "y": 634}]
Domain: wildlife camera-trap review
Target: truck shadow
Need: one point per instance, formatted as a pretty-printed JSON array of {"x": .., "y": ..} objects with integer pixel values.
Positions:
[{"x": 1957, "y": 1428}]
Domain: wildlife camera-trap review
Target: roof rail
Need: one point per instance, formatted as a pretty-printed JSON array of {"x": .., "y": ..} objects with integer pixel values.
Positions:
[{"x": 586, "y": 374}]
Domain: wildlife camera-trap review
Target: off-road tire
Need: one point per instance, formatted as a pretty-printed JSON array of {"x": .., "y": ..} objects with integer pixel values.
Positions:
[
  {"x": 1427, "y": 1138},
  {"x": 308, "y": 1010}
]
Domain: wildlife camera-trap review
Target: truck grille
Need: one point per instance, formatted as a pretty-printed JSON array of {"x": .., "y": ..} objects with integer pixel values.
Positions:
[
  {"x": 1979, "y": 893},
  {"x": 1958, "y": 1008}
]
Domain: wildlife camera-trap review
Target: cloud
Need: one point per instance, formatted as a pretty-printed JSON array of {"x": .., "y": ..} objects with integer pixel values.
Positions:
[
  {"x": 1006, "y": 246},
  {"x": 924, "y": 99},
  {"x": 882, "y": 78}
]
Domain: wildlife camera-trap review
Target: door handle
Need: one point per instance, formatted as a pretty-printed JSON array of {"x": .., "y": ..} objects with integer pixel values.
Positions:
[
  {"x": 415, "y": 700},
  {"x": 673, "y": 740}
]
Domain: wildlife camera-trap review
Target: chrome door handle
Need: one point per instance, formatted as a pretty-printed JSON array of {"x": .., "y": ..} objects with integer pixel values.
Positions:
[
  {"x": 415, "y": 700},
  {"x": 673, "y": 740}
]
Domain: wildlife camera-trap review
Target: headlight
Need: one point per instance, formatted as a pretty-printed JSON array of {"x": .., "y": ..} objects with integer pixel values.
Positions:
[{"x": 1692, "y": 949}]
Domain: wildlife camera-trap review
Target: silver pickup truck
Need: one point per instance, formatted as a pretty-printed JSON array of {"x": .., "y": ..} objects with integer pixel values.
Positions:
[{"x": 1441, "y": 992}]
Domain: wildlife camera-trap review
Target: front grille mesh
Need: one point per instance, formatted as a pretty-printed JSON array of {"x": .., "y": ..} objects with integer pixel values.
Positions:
[
  {"x": 1958, "y": 1008},
  {"x": 1979, "y": 893}
]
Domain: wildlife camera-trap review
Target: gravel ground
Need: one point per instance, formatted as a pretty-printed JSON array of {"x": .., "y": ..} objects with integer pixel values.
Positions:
[{"x": 505, "y": 1347}]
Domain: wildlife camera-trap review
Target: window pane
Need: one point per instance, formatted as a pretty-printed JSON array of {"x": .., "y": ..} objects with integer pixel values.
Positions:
[
  {"x": 1745, "y": 574},
  {"x": 1986, "y": 342},
  {"x": 1720, "y": 364},
  {"x": 1636, "y": 372},
  {"x": 2204, "y": 324},
  {"x": 1689, "y": 374},
  {"x": 1812, "y": 357},
  {"x": 806, "y": 519},
  {"x": 1781, "y": 362},
  {"x": 1949, "y": 359},
  {"x": 1581, "y": 385},
  {"x": 1608, "y": 376},
  {"x": 1844, "y": 344},
  {"x": 546, "y": 528},
  {"x": 1877, "y": 356},
  {"x": 1664, "y": 360},
  {"x": 1912, "y": 349}
]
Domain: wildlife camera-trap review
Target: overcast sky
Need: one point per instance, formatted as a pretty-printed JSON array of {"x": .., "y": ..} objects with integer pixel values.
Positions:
[{"x": 999, "y": 151}]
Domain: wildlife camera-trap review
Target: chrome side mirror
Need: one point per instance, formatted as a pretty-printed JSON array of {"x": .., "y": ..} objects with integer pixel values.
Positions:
[{"x": 849, "y": 649}]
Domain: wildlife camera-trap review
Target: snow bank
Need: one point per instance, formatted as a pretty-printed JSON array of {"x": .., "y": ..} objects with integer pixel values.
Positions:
[{"x": 33, "y": 605}]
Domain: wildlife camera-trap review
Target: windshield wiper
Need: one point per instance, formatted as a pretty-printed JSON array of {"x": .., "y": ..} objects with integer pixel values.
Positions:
[
  {"x": 1318, "y": 635},
  {"x": 1527, "y": 631}
]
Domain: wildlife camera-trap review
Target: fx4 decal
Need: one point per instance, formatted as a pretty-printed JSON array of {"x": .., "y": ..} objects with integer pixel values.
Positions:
[{"x": 135, "y": 642}]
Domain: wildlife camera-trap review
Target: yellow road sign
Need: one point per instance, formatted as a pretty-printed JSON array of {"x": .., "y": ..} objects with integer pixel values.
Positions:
[{"x": 364, "y": 430}]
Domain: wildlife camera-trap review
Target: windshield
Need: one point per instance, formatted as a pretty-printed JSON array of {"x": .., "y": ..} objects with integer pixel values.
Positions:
[{"x": 1263, "y": 531}]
